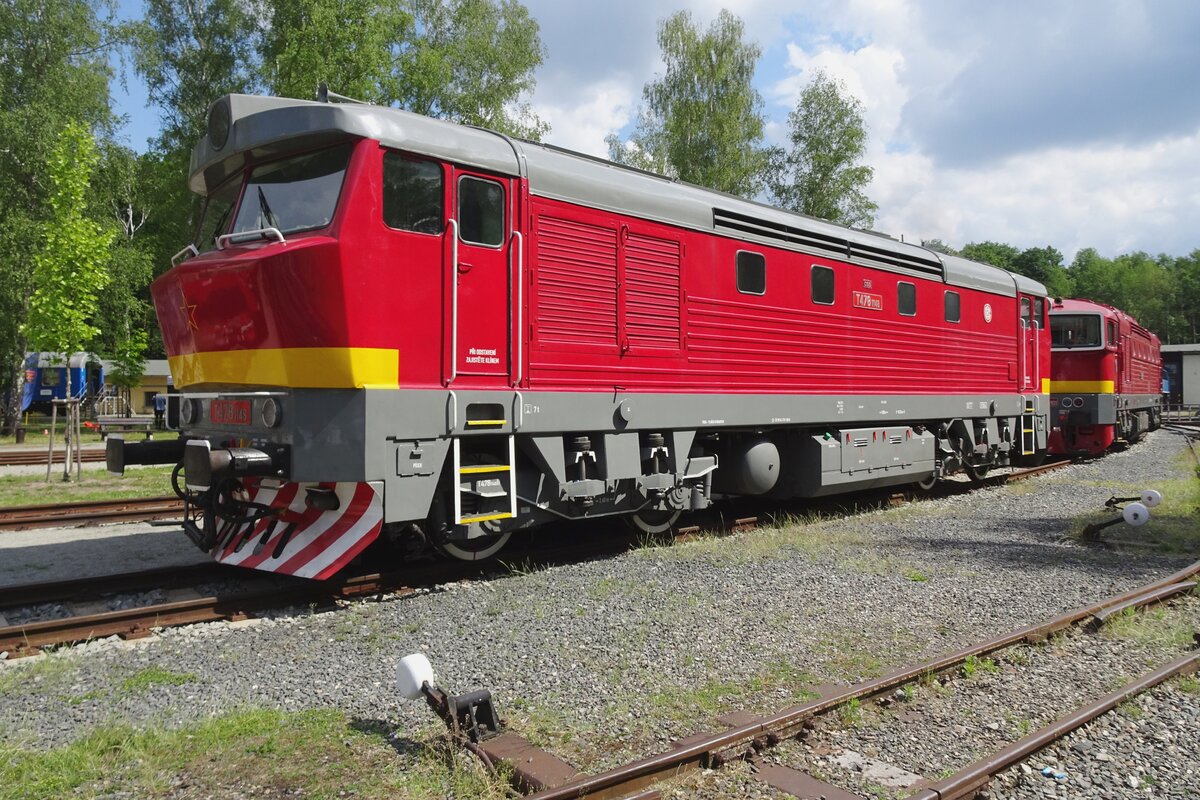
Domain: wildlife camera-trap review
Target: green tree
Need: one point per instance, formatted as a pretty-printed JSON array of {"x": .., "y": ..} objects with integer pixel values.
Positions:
[
  {"x": 347, "y": 44},
  {"x": 190, "y": 52},
  {"x": 70, "y": 265},
  {"x": 938, "y": 246},
  {"x": 821, "y": 175},
  {"x": 471, "y": 61},
  {"x": 994, "y": 253},
  {"x": 129, "y": 364},
  {"x": 702, "y": 120},
  {"x": 53, "y": 72},
  {"x": 1044, "y": 264}
]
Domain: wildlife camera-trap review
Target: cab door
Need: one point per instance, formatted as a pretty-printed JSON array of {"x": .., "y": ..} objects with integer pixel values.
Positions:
[
  {"x": 1028, "y": 344},
  {"x": 480, "y": 222}
]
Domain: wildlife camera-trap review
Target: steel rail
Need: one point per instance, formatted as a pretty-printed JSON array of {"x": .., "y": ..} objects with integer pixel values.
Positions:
[
  {"x": 712, "y": 750},
  {"x": 16, "y": 518},
  {"x": 137, "y": 622},
  {"x": 29, "y": 594},
  {"x": 34, "y": 458},
  {"x": 969, "y": 780}
]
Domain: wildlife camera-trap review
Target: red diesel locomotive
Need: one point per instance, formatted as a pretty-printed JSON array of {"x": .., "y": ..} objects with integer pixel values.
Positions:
[
  {"x": 394, "y": 325},
  {"x": 1106, "y": 378}
]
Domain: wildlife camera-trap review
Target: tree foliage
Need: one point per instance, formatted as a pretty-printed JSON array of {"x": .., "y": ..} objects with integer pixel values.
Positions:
[
  {"x": 70, "y": 266},
  {"x": 347, "y": 44},
  {"x": 821, "y": 175},
  {"x": 472, "y": 61},
  {"x": 701, "y": 121},
  {"x": 54, "y": 72}
]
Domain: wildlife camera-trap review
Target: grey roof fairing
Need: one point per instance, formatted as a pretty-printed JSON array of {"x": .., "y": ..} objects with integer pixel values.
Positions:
[{"x": 260, "y": 122}]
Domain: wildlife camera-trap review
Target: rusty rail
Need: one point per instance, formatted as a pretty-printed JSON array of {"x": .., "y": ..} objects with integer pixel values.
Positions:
[
  {"x": 720, "y": 747},
  {"x": 968, "y": 781},
  {"x": 93, "y": 512},
  {"x": 19, "y": 458}
]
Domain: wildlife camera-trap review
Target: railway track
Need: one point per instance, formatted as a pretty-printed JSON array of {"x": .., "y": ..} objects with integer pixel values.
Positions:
[
  {"x": 92, "y": 512},
  {"x": 26, "y": 458},
  {"x": 745, "y": 736},
  {"x": 87, "y": 615}
]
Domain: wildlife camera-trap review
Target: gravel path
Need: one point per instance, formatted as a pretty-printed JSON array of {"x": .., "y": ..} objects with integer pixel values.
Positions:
[{"x": 609, "y": 660}]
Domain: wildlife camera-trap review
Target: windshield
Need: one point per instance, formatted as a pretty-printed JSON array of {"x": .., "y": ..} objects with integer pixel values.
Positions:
[
  {"x": 292, "y": 194},
  {"x": 216, "y": 214},
  {"x": 1074, "y": 330}
]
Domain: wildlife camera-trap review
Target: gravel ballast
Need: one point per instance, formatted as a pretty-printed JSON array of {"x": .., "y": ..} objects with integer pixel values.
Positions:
[{"x": 609, "y": 660}]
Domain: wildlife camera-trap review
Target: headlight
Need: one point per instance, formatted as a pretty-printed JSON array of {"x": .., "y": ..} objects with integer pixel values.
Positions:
[
  {"x": 1079, "y": 402},
  {"x": 271, "y": 412},
  {"x": 220, "y": 119},
  {"x": 189, "y": 410}
]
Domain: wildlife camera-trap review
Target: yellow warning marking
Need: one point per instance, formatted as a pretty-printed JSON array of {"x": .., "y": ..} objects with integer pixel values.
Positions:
[{"x": 484, "y": 518}]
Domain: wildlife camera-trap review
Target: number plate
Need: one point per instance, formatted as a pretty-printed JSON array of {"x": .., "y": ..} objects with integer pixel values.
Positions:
[{"x": 229, "y": 412}]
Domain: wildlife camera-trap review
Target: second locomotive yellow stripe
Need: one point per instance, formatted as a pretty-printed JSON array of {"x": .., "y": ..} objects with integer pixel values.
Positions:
[{"x": 1082, "y": 387}]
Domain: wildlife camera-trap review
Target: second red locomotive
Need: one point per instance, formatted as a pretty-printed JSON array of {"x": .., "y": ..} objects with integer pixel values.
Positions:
[{"x": 1106, "y": 378}]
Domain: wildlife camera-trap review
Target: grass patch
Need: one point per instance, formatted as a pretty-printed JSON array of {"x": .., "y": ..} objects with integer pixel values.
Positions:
[
  {"x": 1154, "y": 627},
  {"x": 810, "y": 535},
  {"x": 46, "y": 674},
  {"x": 1188, "y": 684},
  {"x": 314, "y": 754},
  {"x": 1172, "y": 527},
  {"x": 150, "y": 677},
  {"x": 97, "y": 484},
  {"x": 717, "y": 697},
  {"x": 850, "y": 713},
  {"x": 979, "y": 666}
]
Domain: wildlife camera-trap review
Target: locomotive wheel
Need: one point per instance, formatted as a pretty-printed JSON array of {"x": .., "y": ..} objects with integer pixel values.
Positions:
[
  {"x": 926, "y": 484},
  {"x": 656, "y": 524},
  {"x": 480, "y": 548},
  {"x": 977, "y": 472}
]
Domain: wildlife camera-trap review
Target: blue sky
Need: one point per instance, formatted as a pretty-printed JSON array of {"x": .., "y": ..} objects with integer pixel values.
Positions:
[{"x": 1069, "y": 124}]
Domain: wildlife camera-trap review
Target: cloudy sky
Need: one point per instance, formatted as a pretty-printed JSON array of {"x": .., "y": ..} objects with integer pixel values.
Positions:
[{"x": 1073, "y": 123}]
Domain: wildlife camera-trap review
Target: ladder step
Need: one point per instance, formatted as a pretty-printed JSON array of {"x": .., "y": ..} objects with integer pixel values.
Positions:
[
  {"x": 485, "y": 518},
  {"x": 485, "y": 468},
  {"x": 487, "y": 422}
]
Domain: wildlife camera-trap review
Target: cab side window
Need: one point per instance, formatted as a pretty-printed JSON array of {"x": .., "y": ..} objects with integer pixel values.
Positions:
[
  {"x": 480, "y": 211},
  {"x": 412, "y": 194}
]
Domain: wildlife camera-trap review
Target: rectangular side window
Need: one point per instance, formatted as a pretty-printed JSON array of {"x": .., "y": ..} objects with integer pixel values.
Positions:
[
  {"x": 953, "y": 312},
  {"x": 1026, "y": 313},
  {"x": 480, "y": 212},
  {"x": 412, "y": 194},
  {"x": 1039, "y": 313},
  {"x": 1112, "y": 334},
  {"x": 751, "y": 273},
  {"x": 906, "y": 299},
  {"x": 822, "y": 285}
]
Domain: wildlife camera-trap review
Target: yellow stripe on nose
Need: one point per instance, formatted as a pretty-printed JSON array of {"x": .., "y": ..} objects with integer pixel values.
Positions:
[{"x": 291, "y": 367}]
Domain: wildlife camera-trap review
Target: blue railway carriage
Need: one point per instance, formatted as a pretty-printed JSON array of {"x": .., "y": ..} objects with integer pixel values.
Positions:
[{"x": 46, "y": 379}]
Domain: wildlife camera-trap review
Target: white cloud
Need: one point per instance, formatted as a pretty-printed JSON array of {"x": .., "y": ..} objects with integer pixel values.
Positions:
[{"x": 600, "y": 109}]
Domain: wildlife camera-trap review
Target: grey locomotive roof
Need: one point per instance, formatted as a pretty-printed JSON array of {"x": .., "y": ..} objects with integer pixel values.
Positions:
[{"x": 264, "y": 126}]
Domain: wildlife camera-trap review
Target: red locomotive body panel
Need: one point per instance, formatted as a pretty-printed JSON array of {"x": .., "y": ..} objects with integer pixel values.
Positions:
[{"x": 609, "y": 300}]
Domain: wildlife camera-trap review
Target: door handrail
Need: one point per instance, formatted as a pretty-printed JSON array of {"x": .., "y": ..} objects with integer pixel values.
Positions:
[{"x": 452, "y": 227}]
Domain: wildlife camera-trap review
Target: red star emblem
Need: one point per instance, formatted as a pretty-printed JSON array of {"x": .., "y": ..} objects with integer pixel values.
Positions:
[{"x": 189, "y": 311}]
